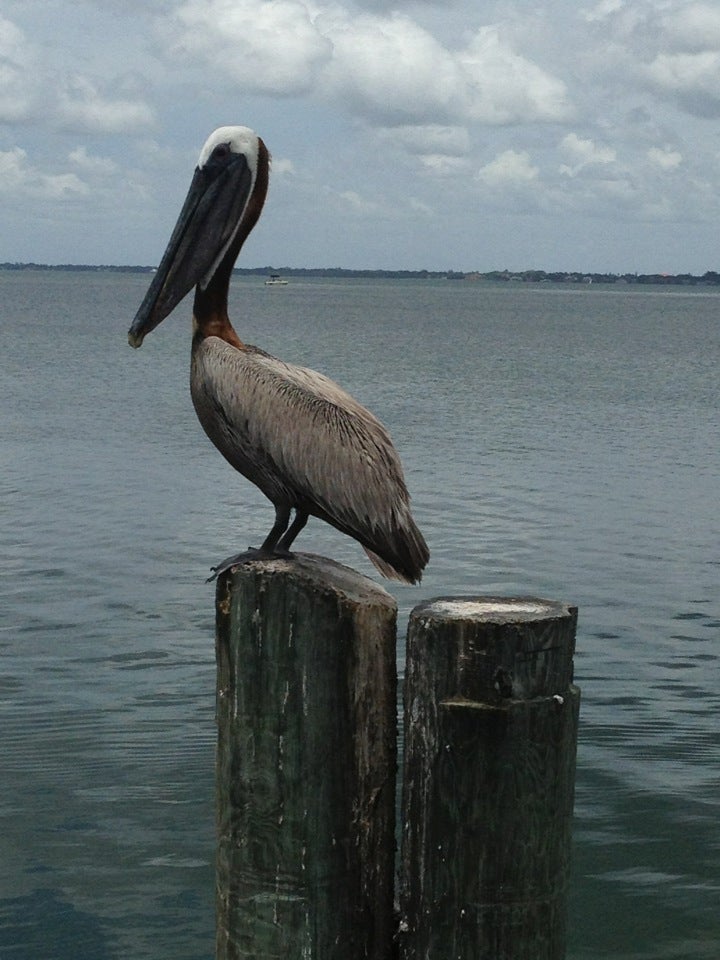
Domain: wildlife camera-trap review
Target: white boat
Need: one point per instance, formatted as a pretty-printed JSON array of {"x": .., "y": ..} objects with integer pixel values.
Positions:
[{"x": 275, "y": 280}]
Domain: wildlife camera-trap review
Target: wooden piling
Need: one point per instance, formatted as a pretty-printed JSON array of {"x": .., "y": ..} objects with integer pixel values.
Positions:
[
  {"x": 490, "y": 739},
  {"x": 306, "y": 762}
]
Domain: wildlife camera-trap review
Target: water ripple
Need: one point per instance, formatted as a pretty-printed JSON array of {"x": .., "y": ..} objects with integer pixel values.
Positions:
[{"x": 556, "y": 443}]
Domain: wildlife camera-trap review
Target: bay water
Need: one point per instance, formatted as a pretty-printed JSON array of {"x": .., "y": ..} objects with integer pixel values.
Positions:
[{"x": 558, "y": 441}]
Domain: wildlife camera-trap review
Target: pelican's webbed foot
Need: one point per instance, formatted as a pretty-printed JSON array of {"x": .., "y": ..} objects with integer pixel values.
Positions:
[
  {"x": 276, "y": 544},
  {"x": 245, "y": 557}
]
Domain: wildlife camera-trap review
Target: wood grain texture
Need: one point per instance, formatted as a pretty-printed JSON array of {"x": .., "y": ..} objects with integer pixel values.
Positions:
[
  {"x": 306, "y": 762},
  {"x": 490, "y": 740}
]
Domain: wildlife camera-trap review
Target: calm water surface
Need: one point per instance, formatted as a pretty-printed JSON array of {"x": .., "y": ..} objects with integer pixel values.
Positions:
[{"x": 562, "y": 442}]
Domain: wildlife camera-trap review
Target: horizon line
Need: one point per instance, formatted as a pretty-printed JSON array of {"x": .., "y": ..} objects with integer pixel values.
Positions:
[{"x": 528, "y": 274}]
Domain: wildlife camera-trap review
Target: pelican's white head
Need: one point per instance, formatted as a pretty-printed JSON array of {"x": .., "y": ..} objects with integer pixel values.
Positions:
[{"x": 240, "y": 140}]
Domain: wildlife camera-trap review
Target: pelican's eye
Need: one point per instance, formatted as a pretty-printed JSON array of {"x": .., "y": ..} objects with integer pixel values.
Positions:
[{"x": 221, "y": 152}]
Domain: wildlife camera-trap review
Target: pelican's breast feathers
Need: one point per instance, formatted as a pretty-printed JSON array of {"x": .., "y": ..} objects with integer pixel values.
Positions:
[{"x": 328, "y": 449}]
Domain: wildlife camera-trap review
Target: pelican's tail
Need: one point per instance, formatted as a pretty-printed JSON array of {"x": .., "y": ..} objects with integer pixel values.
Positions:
[
  {"x": 387, "y": 571},
  {"x": 406, "y": 557}
]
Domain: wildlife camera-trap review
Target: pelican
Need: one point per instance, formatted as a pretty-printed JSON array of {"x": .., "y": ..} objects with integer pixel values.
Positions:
[{"x": 307, "y": 444}]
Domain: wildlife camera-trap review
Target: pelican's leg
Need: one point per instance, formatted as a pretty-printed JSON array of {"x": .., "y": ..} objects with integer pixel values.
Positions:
[
  {"x": 282, "y": 519},
  {"x": 268, "y": 548},
  {"x": 301, "y": 518}
]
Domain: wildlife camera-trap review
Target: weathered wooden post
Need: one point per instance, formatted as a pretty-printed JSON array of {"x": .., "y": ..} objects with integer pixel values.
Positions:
[
  {"x": 490, "y": 738},
  {"x": 306, "y": 762}
]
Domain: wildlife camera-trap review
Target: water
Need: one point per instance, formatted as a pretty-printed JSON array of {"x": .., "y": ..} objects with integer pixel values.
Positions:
[{"x": 562, "y": 442}]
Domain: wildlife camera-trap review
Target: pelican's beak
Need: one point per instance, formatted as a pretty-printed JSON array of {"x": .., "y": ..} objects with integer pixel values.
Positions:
[{"x": 207, "y": 225}]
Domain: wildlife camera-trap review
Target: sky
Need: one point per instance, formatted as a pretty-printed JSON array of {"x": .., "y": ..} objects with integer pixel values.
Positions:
[{"x": 435, "y": 134}]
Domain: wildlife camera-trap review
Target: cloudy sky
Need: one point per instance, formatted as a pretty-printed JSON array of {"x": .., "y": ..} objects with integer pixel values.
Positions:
[{"x": 438, "y": 134}]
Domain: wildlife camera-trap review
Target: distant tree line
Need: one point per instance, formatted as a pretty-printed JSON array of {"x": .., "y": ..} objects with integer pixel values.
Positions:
[
  {"x": 711, "y": 277},
  {"x": 542, "y": 276},
  {"x": 76, "y": 267}
]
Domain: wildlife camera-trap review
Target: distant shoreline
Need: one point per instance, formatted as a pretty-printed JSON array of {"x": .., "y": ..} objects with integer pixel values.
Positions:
[{"x": 711, "y": 278}]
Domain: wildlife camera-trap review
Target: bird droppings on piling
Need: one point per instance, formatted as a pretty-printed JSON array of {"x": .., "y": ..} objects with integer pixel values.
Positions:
[
  {"x": 487, "y": 609},
  {"x": 224, "y": 604}
]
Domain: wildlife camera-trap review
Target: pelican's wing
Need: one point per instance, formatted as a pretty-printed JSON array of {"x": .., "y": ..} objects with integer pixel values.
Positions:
[{"x": 329, "y": 452}]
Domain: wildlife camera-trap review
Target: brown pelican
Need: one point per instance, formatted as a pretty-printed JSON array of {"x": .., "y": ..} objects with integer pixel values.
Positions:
[{"x": 306, "y": 443}]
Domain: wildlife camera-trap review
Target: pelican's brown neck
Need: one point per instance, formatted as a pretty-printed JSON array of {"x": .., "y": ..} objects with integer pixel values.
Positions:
[{"x": 216, "y": 325}]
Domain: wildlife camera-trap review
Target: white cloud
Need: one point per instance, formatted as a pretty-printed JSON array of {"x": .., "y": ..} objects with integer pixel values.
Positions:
[
  {"x": 84, "y": 108},
  {"x": 502, "y": 86},
  {"x": 385, "y": 67},
  {"x": 282, "y": 166},
  {"x": 271, "y": 46},
  {"x": 584, "y": 153},
  {"x": 693, "y": 27},
  {"x": 442, "y": 165},
  {"x": 390, "y": 68},
  {"x": 695, "y": 77},
  {"x": 664, "y": 158},
  {"x": 419, "y": 206},
  {"x": 93, "y": 165},
  {"x": 11, "y": 168},
  {"x": 671, "y": 49},
  {"x": 357, "y": 204},
  {"x": 19, "y": 179},
  {"x": 602, "y": 10},
  {"x": 430, "y": 139},
  {"x": 15, "y": 71},
  {"x": 509, "y": 168},
  {"x": 394, "y": 4},
  {"x": 438, "y": 149}
]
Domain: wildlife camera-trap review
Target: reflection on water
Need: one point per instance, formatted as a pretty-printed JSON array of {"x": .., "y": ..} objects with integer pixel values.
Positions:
[{"x": 558, "y": 442}]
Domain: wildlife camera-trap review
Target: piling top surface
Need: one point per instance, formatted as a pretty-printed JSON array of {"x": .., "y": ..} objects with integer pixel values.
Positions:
[
  {"x": 492, "y": 609},
  {"x": 492, "y": 649},
  {"x": 320, "y": 573}
]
